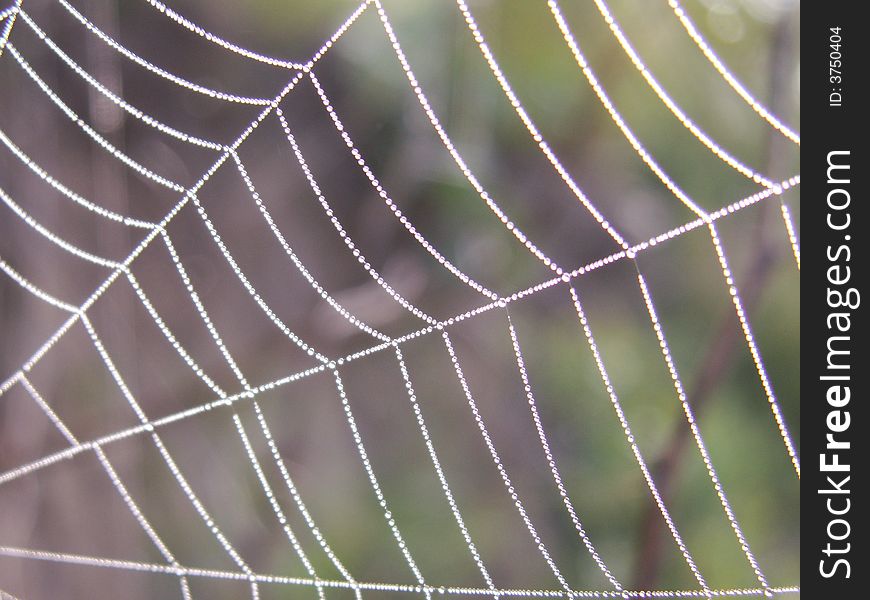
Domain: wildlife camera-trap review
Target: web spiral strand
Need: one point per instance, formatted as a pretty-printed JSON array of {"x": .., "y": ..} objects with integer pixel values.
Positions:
[
  {"x": 231, "y": 362},
  {"x": 792, "y": 233},
  {"x": 279, "y": 513},
  {"x": 376, "y": 488},
  {"x": 55, "y": 239},
  {"x": 8, "y": 17},
  {"x": 64, "y": 190},
  {"x": 79, "y": 315},
  {"x": 687, "y": 122},
  {"x": 229, "y": 400},
  {"x": 312, "y": 282},
  {"x": 530, "y": 126}
]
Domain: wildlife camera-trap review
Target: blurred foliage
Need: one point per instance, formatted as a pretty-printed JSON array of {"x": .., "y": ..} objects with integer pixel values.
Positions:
[{"x": 71, "y": 507}]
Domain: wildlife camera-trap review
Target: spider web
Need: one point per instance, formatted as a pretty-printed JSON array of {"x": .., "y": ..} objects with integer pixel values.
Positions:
[{"x": 304, "y": 532}]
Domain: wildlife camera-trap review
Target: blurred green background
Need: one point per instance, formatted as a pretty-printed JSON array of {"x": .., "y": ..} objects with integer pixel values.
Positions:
[{"x": 71, "y": 507}]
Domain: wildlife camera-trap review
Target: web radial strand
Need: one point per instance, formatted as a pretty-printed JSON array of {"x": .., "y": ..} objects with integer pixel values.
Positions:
[
  {"x": 776, "y": 189},
  {"x": 728, "y": 76},
  {"x": 637, "y": 249},
  {"x": 109, "y": 563},
  {"x": 516, "y": 296}
]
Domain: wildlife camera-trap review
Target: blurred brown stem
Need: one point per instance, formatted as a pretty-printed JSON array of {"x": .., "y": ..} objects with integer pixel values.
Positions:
[{"x": 717, "y": 361}]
